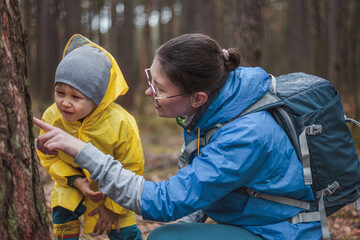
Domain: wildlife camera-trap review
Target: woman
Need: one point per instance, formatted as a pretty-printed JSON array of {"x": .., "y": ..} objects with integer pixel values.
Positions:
[{"x": 195, "y": 81}]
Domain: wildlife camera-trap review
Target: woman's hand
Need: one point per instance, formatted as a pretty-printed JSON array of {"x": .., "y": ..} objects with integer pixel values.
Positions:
[
  {"x": 56, "y": 139},
  {"x": 84, "y": 186},
  {"x": 106, "y": 219}
]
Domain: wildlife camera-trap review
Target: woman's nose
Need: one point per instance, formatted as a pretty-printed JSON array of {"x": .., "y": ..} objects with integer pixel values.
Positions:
[{"x": 148, "y": 92}]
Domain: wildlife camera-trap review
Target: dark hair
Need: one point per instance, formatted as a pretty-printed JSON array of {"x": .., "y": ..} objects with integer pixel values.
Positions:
[{"x": 196, "y": 62}]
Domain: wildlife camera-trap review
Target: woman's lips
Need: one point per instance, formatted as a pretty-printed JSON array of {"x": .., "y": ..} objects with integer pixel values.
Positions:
[{"x": 156, "y": 106}]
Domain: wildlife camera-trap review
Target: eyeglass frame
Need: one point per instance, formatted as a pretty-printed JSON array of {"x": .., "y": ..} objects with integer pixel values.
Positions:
[{"x": 153, "y": 90}]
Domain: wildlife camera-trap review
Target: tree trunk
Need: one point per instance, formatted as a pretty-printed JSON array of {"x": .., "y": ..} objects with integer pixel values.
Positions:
[
  {"x": 172, "y": 25},
  {"x": 334, "y": 38},
  {"x": 248, "y": 30},
  {"x": 299, "y": 51},
  {"x": 22, "y": 200},
  {"x": 161, "y": 25},
  {"x": 355, "y": 60},
  {"x": 319, "y": 56},
  {"x": 188, "y": 16},
  {"x": 48, "y": 54},
  {"x": 72, "y": 20},
  {"x": 207, "y": 17},
  {"x": 114, "y": 29},
  {"x": 126, "y": 55}
]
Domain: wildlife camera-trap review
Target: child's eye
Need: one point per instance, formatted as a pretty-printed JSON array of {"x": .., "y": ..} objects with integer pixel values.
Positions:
[
  {"x": 76, "y": 97},
  {"x": 60, "y": 93}
]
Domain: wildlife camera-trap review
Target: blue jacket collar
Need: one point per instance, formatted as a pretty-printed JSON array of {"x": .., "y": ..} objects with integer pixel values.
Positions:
[{"x": 243, "y": 87}]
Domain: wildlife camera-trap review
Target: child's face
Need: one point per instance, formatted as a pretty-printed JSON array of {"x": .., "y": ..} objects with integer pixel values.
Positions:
[{"x": 72, "y": 104}]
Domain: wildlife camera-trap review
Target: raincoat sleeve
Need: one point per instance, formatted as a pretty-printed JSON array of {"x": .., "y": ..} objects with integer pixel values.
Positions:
[{"x": 130, "y": 153}]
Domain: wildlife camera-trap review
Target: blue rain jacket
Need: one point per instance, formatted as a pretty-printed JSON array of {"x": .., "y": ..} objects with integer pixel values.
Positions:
[{"x": 251, "y": 151}]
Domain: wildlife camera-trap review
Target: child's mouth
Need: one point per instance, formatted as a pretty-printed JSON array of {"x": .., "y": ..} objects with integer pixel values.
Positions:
[{"x": 67, "y": 113}]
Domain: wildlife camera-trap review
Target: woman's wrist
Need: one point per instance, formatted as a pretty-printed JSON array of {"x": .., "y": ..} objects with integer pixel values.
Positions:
[{"x": 75, "y": 147}]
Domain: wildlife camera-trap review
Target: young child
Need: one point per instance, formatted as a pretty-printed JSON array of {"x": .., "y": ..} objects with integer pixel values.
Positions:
[{"x": 87, "y": 81}]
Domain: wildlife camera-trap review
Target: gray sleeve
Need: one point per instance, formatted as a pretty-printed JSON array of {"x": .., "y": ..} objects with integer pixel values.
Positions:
[
  {"x": 196, "y": 217},
  {"x": 121, "y": 185}
]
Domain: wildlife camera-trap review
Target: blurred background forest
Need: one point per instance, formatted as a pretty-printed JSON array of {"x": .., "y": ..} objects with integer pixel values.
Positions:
[{"x": 320, "y": 37}]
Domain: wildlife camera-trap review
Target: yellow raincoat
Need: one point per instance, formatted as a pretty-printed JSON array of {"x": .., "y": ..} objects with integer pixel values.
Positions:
[{"x": 109, "y": 128}]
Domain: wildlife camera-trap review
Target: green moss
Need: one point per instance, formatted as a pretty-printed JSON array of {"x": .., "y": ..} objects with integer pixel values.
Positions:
[
  {"x": 27, "y": 83},
  {"x": 44, "y": 212},
  {"x": 27, "y": 172},
  {"x": 1, "y": 45},
  {"x": 15, "y": 141},
  {"x": 9, "y": 176},
  {"x": 12, "y": 223},
  {"x": 2, "y": 198},
  {"x": 9, "y": 110}
]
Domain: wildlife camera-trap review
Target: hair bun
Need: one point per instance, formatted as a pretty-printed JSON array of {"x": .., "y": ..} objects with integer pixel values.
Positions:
[
  {"x": 232, "y": 58},
  {"x": 226, "y": 54}
]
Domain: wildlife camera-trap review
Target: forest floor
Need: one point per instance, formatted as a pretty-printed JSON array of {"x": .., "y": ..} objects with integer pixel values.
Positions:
[{"x": 162, "y": 140}]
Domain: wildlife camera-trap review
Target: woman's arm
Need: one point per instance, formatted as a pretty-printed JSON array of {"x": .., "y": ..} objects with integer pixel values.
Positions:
[
  {"x": 121, "y": 185},
  {"x": 56, "y": 139}
]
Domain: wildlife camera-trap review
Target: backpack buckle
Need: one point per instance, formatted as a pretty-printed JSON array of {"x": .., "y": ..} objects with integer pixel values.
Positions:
[
  {"x": 357, "y": 205},
  {"x": 331, "y": 189},
  {"x": 253, "y": 193},
  {"x": 313, "y": 129}
]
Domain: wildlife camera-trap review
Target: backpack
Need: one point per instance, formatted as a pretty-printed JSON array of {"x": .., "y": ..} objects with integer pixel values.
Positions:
[{"x": 309, "y": 110}]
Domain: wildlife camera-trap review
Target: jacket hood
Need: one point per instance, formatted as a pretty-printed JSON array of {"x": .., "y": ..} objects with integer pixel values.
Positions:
[
  {"x": 116, "y": 83},
  {"x": 243, "y": 87},
  {"x": 88, "y": 70}
]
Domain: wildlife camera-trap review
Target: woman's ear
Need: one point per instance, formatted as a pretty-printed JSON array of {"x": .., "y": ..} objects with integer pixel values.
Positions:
[{"x": 199, "y": 99}]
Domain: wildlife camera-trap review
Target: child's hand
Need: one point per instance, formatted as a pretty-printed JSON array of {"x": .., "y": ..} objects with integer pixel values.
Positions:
[
  {"x": 84, "y": 186},
  {"x": 106, "y": 219}
]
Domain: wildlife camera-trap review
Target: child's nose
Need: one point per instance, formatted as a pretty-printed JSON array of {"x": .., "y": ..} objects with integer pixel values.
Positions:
[{"x": 66, "y": 103}]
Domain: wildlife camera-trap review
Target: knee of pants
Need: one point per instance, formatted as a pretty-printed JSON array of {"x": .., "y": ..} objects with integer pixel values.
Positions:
[
  {"x": 62, "y": 215},
  {"x": 126, "y": 233}
]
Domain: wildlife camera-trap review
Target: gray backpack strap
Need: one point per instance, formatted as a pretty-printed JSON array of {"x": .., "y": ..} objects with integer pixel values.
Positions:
[
  {"x": 305, "y": 217},
  {"x": 305, "y": 154},
  {"x": 193, "y": 145},
  {"x": 279, "y": 199},
  {"x": 188, "y": 150},
  {"x": 321, "y": 214},
  {"x": 261, "y": 104}
]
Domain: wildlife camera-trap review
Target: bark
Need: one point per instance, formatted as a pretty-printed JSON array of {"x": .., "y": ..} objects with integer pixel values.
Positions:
[
  {"x": 355, "y": 60},
  {"x": 334, "y": 38},
  {"x": 188, "y": 16},
  {"x": 172, "y": 26},
  {"x": 145, "y": 59},
  {"x": 22, "y": 200},
  {"x": 48, "y": 54},
  {"x": 72, "y": 20},
  {"x": 126, "y": 55},
  {"x": 319, "y": 57},
  {"x": 248, "y": 30},
  {"x": 207, "y": 17},
  {"x": 300, "y": 36},
  {"x": 113, "y": 41},
  {"x": 161, "y": 25}
]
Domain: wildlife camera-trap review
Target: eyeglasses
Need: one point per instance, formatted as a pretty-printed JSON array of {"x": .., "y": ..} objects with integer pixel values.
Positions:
[{"x": 154, "y": 93}]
